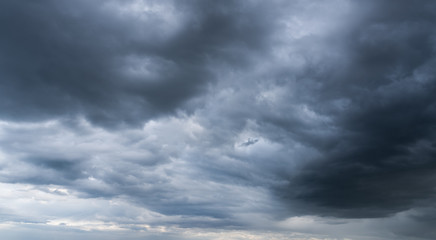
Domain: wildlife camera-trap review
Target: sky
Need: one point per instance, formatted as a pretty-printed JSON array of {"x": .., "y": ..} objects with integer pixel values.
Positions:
[{"x": 213, "y": 120}]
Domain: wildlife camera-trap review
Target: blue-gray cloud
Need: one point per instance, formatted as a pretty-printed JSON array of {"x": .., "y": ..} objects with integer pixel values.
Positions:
[{"x": 228, "y": 115}]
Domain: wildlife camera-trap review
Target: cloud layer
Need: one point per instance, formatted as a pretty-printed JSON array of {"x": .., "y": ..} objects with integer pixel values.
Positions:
[{"x": 218, "y": 119}]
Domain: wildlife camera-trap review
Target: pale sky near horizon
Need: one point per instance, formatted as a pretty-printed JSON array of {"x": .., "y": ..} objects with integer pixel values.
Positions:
[{"x": 212, "y": 120}]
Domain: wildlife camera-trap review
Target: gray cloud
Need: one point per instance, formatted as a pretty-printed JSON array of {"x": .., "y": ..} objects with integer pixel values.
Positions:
[
  {"x": 63, "y": 59},
  {"x": 281, "y": 116},
  {"x": 379, "y": 159}
]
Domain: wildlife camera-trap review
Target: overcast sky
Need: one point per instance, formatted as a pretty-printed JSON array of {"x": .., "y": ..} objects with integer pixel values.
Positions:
[{"x": 213, "y": 120}]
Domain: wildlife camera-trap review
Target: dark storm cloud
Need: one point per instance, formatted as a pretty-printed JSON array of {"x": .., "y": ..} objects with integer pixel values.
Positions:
[
  {"x": 289, "y": 109},
  {"x": 66, "y": 59},
  {"x": 55, "y": 170},
  {"x": 380, "y": 156}
]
